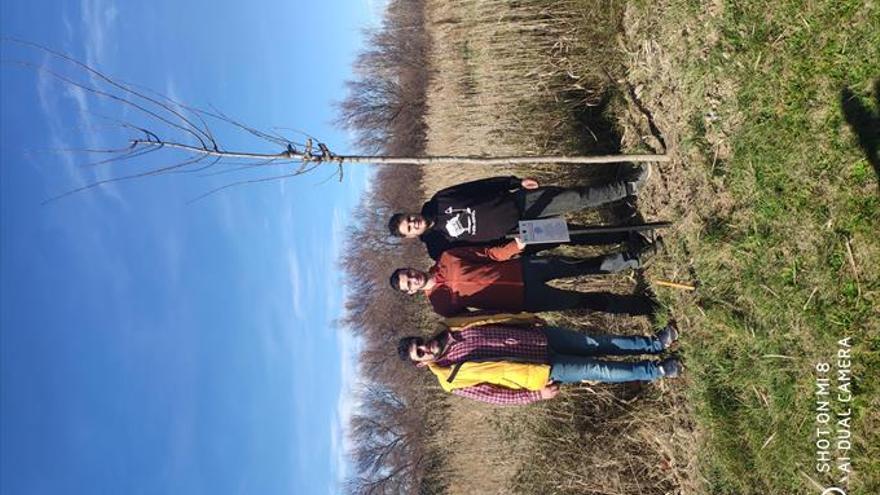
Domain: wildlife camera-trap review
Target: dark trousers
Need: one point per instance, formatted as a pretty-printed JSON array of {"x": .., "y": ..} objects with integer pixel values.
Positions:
[
  {"x": 539, "y": 296},
  {"x": 629, "y": 238},
  {"x": 553, "y": 201}
]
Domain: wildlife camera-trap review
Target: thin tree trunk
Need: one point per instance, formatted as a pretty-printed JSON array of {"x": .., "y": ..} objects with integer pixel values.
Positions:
[
  {"x": 501, "y": 160},
  {"x": 420, "y": 160}
]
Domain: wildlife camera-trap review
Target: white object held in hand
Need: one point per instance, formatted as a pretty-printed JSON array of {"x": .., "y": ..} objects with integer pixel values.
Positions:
[{"x": 544, "y": 230}]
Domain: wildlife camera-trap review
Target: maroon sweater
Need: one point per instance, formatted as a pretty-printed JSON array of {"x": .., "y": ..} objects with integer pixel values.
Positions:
[{"x": 477, "y": 277}]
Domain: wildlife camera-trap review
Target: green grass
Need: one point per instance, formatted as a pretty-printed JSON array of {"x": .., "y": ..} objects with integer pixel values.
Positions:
[{"x": 779, "y": 286}]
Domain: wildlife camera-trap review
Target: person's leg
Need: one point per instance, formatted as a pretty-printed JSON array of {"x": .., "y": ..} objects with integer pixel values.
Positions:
[
  {"x": 565, "y": 341},
  {"x": 544, "y": 268},
  {"x": 625, "y": 304},
  {"x": 553, "y": 201},
  {"x": 533, "y": 249},
  {"x": 600, "y": 239},
  {"x": 540, "y": 297},
  {"x": 575, "y": 369}
]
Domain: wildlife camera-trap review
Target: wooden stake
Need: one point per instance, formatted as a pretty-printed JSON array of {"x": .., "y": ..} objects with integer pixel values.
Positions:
[{"x": 666, "y": 283}]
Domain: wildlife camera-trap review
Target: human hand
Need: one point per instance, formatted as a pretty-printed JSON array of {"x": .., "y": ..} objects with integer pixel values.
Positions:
[
  {"x": 520, "y": 244},
  {"x": 529, "y": 183},
  {"x": 549, "y": 391}
]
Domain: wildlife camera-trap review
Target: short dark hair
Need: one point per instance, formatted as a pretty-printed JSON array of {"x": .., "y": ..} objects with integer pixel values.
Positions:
[
  {"x": 403, "y": 346},
  {"x": 394, "y": 224},
  {"x": 394, "y": 280}
]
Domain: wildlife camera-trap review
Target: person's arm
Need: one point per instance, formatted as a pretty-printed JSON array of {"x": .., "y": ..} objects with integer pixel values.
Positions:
[
  {"x": 529, "y": 183},
  {"x": 498, "y": 395},
  {"x": 506, "y": 251},
  {"x": 492, "y": 185},
  {"x": 501, "y": 252}
]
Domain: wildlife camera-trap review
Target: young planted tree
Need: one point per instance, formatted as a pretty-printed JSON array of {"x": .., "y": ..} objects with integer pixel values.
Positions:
[{"x": 186, "y": 134}]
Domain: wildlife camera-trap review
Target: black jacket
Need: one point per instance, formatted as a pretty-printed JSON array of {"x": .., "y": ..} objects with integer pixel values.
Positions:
[{"x": 474, "y": 213}]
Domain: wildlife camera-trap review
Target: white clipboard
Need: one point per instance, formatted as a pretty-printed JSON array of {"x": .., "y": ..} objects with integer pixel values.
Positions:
[{"x": 544, "y": 230}]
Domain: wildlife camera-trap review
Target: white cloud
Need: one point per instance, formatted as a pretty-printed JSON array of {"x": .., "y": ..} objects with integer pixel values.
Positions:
[
  {"x": 337, "y": 238},
  {"x": 296, "y": 284},
  {"x": 171, "y": 89},
  {"x": 335, "y": 294},
  {"x": 176, "y": 101},
  {"x": 47, "y": 96},
  {"x": 172, "y": 248},
  {"x": 348, "y": 348},
  {"x": 59, "y": 100},
  {"x": 68, "y": 25},
  {"x": 78, "y": 95},
  {"x": 55, "y": 100},
  {"x": 282, "y": 187},
  {"x": 227, "y": 213},
  {"x": 92, "y": 243},
  {"x": 98, "y": 18}
]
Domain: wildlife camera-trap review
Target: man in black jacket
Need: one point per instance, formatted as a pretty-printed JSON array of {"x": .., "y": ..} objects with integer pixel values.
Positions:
[{"x": 485, "y": 211}]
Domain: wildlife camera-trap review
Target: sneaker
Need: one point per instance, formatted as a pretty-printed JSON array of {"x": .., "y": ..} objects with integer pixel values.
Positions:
[
  {"x": 640, "y": 238},
  {"x": 638, "y": 180},
  {"x": 649, "y": 249},
  {"x": 667, "y": 336},
  {"x": 670, "y": 367}
]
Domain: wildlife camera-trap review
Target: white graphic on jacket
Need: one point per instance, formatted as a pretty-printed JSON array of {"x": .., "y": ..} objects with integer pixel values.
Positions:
[{"x": 463, "y": 222}]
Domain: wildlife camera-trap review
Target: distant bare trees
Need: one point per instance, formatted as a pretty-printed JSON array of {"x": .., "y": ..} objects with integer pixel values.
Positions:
[
  {"x": 384, "y": 108},
  {"x": 385, "y": 105},
  {"x": 387, "y": 432}
]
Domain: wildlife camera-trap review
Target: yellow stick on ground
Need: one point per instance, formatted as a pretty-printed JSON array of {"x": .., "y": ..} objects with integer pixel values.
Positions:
[{"x": 665, "y": 283}]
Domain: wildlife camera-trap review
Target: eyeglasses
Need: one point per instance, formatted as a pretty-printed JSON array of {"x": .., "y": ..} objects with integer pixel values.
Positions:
[{"x": 420, "y": 353}]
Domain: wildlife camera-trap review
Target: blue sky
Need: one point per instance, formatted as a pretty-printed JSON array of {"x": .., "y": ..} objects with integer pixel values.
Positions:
[{"x": 150, "y": 346}]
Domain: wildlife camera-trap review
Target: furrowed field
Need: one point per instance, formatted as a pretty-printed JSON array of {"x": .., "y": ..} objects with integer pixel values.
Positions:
[
  {"x": 770, "y": 112},
  {"x": 777, "y": 214}
]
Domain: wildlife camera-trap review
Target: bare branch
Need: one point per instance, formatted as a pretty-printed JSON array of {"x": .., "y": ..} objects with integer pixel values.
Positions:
[
  {"x": 148, "y": 173},
  {"x": 245, "y": 182},
  {"x": 114, "y": 83},
  {"x": 105, "y": 94},
  {"x": 250, "y": 130},
  {"x": 273, "y": 161}
]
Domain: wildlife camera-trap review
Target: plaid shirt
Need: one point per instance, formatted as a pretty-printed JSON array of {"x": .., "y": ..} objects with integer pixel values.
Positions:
[{"x": 520, "y": 344}]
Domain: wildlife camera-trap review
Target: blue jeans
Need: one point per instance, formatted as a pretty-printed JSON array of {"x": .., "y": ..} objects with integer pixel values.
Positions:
[{"x": 572, "y": 357}]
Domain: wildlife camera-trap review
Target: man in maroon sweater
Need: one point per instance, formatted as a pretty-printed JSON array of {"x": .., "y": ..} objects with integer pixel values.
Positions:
[{"x": 490, "y": 278}]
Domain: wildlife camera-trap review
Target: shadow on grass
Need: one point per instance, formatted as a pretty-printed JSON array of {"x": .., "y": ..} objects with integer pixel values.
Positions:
[{"x": 865, "y": 122}]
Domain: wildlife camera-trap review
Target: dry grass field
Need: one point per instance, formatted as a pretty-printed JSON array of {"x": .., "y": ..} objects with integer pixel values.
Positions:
[
  {"x": 776, "y": 215},
  {"x": 530, "y": 79}
]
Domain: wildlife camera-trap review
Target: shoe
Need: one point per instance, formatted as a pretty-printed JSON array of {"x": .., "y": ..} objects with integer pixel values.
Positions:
[
  {"x": 667, "y": 336},
  {"x": 635, "y": 184},
  {"x": 670, "y": 367},
  {"x": 649, "y": 249}
]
